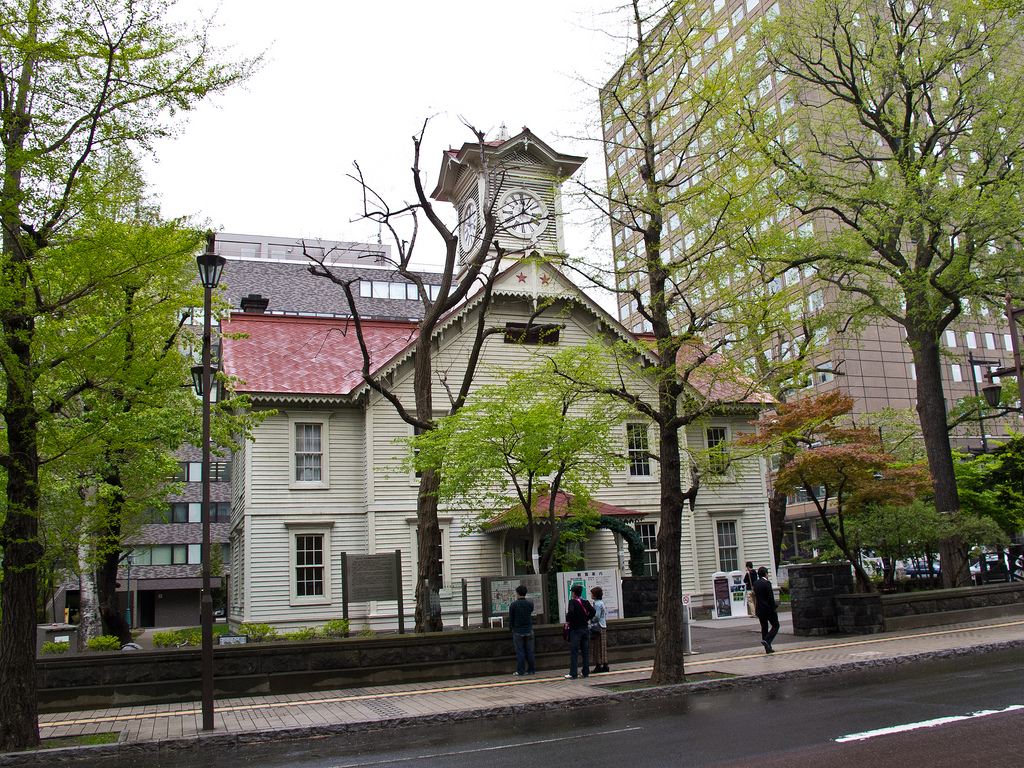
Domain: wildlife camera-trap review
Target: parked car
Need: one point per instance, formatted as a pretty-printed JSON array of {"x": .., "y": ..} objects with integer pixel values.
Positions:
[{"x": 920, "y": 568}]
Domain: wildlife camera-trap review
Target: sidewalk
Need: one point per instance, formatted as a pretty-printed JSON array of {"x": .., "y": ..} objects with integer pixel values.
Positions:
[{"x": 155, "y": 728}]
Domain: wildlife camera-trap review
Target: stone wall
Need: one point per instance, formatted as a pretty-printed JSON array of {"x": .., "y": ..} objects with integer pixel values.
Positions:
[
  {"x": 812, "y": 592},
  {"x": 944, "y": 606},
  {"x": 824, "y": 603},
  {"x": 640, "y": 595},
  {"x": 146, "y": 677},
  {"x": 859, "y": 614}
]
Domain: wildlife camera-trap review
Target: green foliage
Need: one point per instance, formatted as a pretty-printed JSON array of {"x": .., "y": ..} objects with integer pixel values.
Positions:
[
  {"x": 336, "y": 628},
  {"x": 1008, "y": 477},
  {"x": 366, "y": 631},
  {"x": 511, "y": 450},
  {"x": 79, "y": 276},
  {"x": 258, "y": 633},
  {"x": 304, "y": 633},
  {"x": 166, "y": 639},
  {"x": 52, "y": 649},
  {"x": 104, "y": 643}
]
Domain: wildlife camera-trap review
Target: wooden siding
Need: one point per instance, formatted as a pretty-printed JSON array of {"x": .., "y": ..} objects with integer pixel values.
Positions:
[{"x": 371, "y": 500}]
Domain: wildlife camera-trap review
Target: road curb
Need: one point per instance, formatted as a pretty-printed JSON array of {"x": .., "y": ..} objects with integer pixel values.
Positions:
[{"x": 293, "y": 733}]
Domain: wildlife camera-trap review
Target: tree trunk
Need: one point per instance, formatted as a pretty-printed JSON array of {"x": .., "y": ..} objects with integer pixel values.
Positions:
[
  {"x": 22, "y": 550},
  {"x": 428, "y": 571},
  {"x": 90, "y": 624},
  {"x": 931, "y": 409},
  {"x": 109, "y": 542},
  {"x": 668, "y": 622}
]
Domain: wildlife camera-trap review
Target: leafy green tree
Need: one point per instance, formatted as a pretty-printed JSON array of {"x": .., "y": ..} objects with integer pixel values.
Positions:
[
  {"x": 516, "y": 448},
  {"x": 844, "y": 470},
  {"x": 686, "y": 210},
  {"x": 79, "y": 82},
  {"x": 904, "y": 141},
  {"x": 1009, "y": 481}
]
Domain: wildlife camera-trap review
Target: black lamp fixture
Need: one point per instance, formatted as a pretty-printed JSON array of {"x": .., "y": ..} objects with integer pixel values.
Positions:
[
  {"x": 992, "y": 391},
  {"x": 993, "y": 394},
  {"x": 210, "y": 263},
  {"x": 197, "y": 381}
]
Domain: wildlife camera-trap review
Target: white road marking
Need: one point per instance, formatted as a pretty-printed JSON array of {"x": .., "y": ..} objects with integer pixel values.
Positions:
[
  {"x": 926, "y": 724},
  {"x": 489, "y": 749}
]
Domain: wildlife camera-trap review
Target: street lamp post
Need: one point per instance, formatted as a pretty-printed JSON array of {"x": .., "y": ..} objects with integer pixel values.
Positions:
[
  {"x": 973, "y": 361},
  {"x": 993, "y": 391},
  {"x": 128, "y": 610},
  {"x": 210, "y": 267}
]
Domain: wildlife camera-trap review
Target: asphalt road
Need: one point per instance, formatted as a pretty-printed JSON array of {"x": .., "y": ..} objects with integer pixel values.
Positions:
[{"x": 820, "y": 722}]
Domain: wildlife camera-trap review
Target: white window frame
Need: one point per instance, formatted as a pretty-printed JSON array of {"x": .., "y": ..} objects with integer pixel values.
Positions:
[
  {"x": 309, "y": 528},
  {"x": 719, "y": 547},
  {"x": 310, "y": 417},
  {"x": 443, "y": 524},
  {"x": 707, "y": 446},
  {"x": 650, "y": 569},
  {"x": 639, "y": 478}
]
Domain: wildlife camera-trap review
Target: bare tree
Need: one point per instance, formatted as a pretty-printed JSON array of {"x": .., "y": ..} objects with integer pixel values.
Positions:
[{"x": 473, "y": 275}]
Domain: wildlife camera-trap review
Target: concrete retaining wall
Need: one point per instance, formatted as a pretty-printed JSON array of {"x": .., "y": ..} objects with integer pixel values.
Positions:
[
  {"x": 949, "y": 606},
  {"x": 824, "y": 603},
  {"x": 145, "y": 677}
]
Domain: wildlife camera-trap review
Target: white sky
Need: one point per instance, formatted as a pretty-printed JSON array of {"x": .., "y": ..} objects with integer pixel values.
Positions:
[{"x": 345, "y": 81}]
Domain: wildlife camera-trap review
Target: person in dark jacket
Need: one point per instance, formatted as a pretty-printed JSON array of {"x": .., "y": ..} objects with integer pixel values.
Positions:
[
  {"x": 766, "y": 609},
  {"x": 578, "y": 617},
  {"x": 520, "y": 618}
]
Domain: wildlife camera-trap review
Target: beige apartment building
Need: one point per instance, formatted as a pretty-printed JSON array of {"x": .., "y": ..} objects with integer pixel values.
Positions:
[{"x": 874, "y": 365}]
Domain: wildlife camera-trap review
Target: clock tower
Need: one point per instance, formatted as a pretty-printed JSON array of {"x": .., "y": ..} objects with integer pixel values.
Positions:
[{"x": 519, "y": 181}]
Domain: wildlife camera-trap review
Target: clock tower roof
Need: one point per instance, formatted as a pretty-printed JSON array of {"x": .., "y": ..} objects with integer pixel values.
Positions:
[{"x": 468, "y": 156}]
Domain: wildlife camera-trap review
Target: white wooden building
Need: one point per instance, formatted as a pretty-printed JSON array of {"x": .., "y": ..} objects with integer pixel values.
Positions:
[{"x": 325, "y": 475}]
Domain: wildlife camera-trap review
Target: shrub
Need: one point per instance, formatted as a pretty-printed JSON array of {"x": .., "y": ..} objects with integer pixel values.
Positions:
[
  {"x": 105, "y": 643},
  {"x": 366, "y": 631},
  {"x": 305, "y": 633},
  {"x": 191, "y": 636},
  {"x": 258, "y": 633},
  {"x": 52, "y": 649},
  {"x": 166, "y": 639},
  {"x": 336, "y": 628}
]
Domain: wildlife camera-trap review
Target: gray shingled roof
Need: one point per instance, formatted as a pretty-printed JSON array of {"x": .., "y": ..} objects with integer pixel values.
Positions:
[{"x": 292, "y": 289}]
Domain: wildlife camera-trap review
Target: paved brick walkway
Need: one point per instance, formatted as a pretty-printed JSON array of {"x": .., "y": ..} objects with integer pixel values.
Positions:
[{"x": 155, "y": 727}]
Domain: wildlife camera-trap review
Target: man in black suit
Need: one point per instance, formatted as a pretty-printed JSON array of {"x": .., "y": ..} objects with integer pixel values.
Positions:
[{"x": 766, "y": 609}]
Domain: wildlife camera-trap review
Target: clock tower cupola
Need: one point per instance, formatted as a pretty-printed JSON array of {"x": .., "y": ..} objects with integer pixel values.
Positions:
[{"x": 517, "y": 181}]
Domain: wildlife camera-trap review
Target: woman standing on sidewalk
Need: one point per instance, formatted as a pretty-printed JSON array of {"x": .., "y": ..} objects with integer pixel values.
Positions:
[{"x": 599, "y": 631}]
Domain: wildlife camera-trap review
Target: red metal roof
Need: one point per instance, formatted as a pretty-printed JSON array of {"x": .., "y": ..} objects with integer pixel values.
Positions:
[
  {"x": 562, "y": 502},
  {"x": 307, "y": 355}
]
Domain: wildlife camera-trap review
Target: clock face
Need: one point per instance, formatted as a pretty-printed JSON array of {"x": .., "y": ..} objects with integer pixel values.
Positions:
[
  {"x": 468, "y": 224},
  {"x": 521, "y": 214}
]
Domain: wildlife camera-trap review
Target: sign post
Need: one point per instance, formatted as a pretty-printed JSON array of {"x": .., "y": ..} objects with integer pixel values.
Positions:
[{"x": 372, "y": 577}]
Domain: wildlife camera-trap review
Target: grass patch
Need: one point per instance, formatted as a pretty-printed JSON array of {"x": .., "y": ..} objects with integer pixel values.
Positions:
[
  {"x": 86, "y": 740},
  {"x": 637, "y": 685}
]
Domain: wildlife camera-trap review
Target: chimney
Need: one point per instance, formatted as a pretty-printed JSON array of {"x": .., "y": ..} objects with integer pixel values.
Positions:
[{"x": 255, "y": 304}]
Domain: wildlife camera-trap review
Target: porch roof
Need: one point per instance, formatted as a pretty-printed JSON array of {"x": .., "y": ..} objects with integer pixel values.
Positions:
[{"x": 507, "y": 520}]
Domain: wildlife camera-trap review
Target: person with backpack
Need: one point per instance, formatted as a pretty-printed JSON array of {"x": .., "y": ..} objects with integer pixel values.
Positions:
[{"x": 577, "y": 618}]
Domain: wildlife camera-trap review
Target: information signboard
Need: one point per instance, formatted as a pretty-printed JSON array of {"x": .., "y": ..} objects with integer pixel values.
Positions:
[
  {"x": 372, "y": 577},
  {"x": 609, "y": 581},
  {"x": 498, "y": 593}
]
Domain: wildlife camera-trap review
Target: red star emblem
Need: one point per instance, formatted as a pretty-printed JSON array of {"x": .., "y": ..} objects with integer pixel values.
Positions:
[
  {"x": 522, "y": 277},
  {"x": 544, "y": 279}
]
